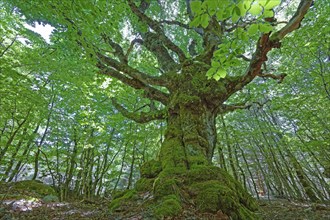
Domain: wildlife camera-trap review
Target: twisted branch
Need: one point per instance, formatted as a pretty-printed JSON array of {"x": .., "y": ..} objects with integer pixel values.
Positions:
[{"x": 142, "y": 117}]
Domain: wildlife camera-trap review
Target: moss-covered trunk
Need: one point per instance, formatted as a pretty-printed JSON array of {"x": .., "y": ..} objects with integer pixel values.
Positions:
[
  {"x": 190, "y": 137},
  {"x": 192, "y": 108},
  {"x": 183, "y": 175}
]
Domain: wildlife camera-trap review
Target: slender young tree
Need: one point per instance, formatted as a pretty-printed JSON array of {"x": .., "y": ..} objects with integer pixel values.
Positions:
[{"x": 189, "y": 57}]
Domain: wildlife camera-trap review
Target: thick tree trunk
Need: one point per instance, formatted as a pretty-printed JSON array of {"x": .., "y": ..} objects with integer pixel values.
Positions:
[
  {"x": 184, "y": 176},
  {"x": 190, "y": 137}
]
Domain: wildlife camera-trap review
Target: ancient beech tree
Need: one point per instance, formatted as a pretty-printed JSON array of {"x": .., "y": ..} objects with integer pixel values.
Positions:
[{"x": 198, "y": 56}]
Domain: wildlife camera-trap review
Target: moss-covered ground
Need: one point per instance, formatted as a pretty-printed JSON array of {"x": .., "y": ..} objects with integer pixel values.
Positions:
[
  {"x": 276, "y": 209},
  {"x": 22, "y": 204},
  {"x": 207, "y": 189}
]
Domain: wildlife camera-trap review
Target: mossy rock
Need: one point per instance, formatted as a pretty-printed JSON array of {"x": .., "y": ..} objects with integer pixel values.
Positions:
[
  {"x": 169, "y": 206},
  {"x": 151, "y": 169},
  {"x": 213, "y": 195},
  {"x": 165, "y": 186},
  {"x": 144, "y": 185},
  {"x": 120, "y": 202},
  {"x": 15, "y": 197},
  {"x": 34, "y": 186},
  {"x": 207, "y": 173},
  {"x": 50, "y": 198},
  {"x": 210, "y": 188}
]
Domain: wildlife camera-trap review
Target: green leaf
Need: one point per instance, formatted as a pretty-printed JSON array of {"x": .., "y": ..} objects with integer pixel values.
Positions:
[
  {"x": 196, "y": 7},
  {"x": 212, "y": 6},
  {"x": 247, "y": 4},
  {"x": 235, "y": 15},
  {"x": 268, "y": 13},
  {"x": 220, "y": 15},
  {"x": 244, "y": 36},
  {"x": 211, "y": 72},
  {"x": 216, "y": 77},
  {"x": 237, "y": 11},
  {"x": 265, "y": 28},
  {"x": 242, "y": 7},
  {"x": 253, "y": 29},
  {"x": 262, "y": 2},
  {"x": 221, "y": 73},
  {"x": 255, "y": 9},
  {"x": 215, "y": 64},
  {"x": 272, "y": 4},
  {"x": 222, "y": 58},
  {"x": 205, "y": 18},
  {"x": 196, "y": 22}
]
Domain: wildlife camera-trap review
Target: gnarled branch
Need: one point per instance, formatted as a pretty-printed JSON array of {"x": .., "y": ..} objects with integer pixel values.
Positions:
[
  {"x": 150, "y": 91},
  {"x": 265, "y": 44},
  {"x": 119, "y": 52},
  {"x": 142, "y": 117},
  {"x": 230, "y": 108},
  {"x": 280, "y": 77},
  {"x": 178, "y": 23},
  {"x": 294, "y": 22},
  {"x": 223, "y": 108},
  {"x": 157, "y": 28},
  {"x": 131, "y": 72},
  {"x": 129, "y": 50}
]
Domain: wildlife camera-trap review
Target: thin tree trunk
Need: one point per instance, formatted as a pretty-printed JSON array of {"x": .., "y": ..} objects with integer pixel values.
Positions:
[
  {"x": 13, "y": 156},
  {"x": 26, "y": 151},
  {"x": 13, "y": 135},
  {"x": 37, "y": 154},
  {"x": 121, "y": 168},
  {"x": 130, "y": 178}
]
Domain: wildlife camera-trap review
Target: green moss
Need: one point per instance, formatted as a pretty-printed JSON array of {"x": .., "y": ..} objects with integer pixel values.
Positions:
[
  {"x": 50, "y": 198},
  {"x": 246, "y": 214},
  {"x": 144, "y": 185},
  {"x": 172, "y": 154},
  {"x": 214, "y": 195},
  {"x": 34, "y": 186},
  {"x": 151, "y": 169},
  {"x": 208, "y": 195},
  {"x": 195, "y": 161},
  {"x": 172, "y": 172},
  {"x": 186, "y": 99},
  {"x": 169, "y": 206},
  {"x": 200, "y": 173},
  {"x": 15, "y": 197},
  {"x": 165, "y": 186},
  {"x": 118, "y": 193},
  {"x": 124, "y": 199}
]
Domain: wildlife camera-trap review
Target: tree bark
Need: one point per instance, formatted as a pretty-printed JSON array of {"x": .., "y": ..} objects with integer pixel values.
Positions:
[
  {"x": 184, "y": 170},
  {"x": 190, "y": 136}
]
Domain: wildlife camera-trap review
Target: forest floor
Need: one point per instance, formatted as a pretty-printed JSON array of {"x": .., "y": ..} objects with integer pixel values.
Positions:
[
  {"x": 27, "y": 200},
  {"x": 276, "y": 209}
]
